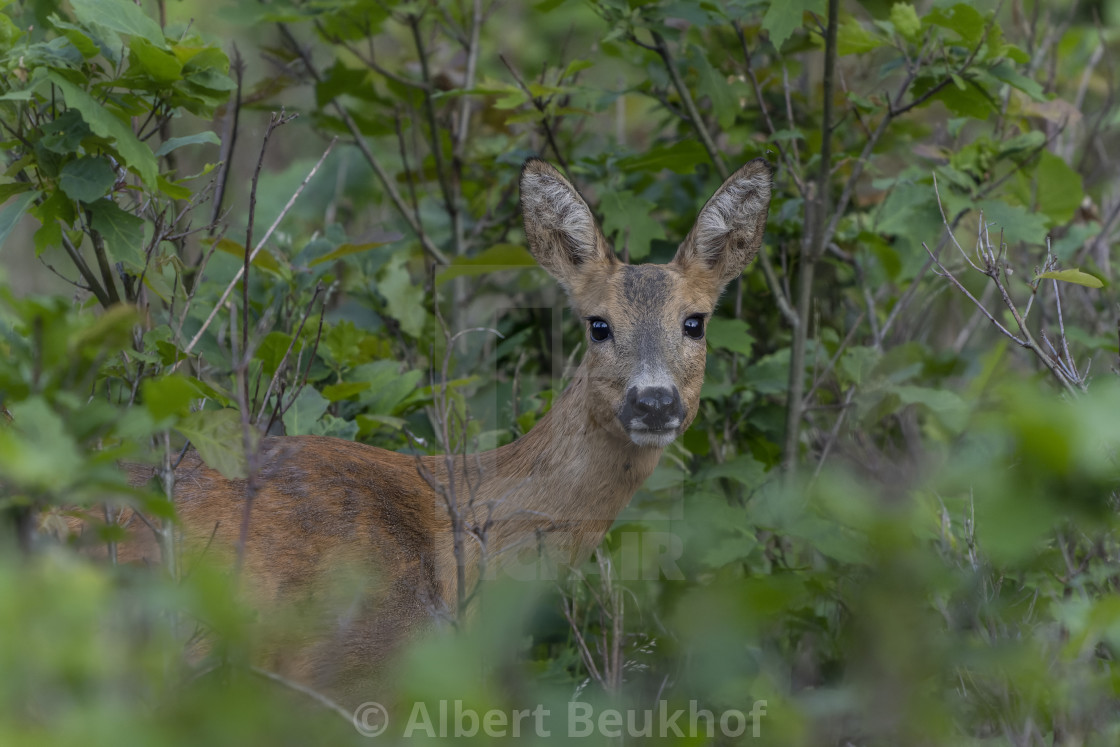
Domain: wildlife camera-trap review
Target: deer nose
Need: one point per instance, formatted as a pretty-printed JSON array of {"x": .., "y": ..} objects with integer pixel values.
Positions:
[
  {"x": 653, "y": 408},
  {"x": 651, "y": 401}
]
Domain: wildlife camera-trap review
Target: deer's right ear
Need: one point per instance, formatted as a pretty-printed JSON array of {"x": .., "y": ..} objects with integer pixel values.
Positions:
[{"x": 559, "y": 226}]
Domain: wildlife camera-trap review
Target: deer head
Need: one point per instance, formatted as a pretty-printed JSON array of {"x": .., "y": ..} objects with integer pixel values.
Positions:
[{"x": 646, "y": 352}]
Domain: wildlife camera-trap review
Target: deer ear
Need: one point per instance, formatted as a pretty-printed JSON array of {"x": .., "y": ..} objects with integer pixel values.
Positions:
[
  {"x": 728, "y": 231},
  {"x": 559, "y": 226}
]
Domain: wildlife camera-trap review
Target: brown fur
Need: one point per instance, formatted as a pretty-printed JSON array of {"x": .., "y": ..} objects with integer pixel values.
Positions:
[{"x": 355, "y": 543}]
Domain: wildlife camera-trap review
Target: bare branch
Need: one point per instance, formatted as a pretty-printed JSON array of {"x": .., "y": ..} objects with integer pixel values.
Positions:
[
  {"x": 387, "y": 182},
  {"x": 268, "y": 234}
]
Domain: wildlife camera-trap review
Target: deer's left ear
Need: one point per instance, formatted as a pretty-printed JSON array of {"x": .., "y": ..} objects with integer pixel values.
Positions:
[{"x": 728, "y": 231}]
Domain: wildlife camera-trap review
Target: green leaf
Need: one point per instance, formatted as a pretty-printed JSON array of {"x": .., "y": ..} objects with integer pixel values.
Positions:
[
  {"x": 345, "y": 251},
  {"x": 220, "y": 440},
  {"x": 969, "y": 101},
  {"x": 886, "y": 255},
  {"x": 576, "y": 66},
  {"x": 388, "y": 387},
  {"x": 123, "y": 232},
  {"x": 13, "y": 188},
  {"x": 173, "y": 190},
  {"x": 78, "y": 37},
  {"x": 272, "y": 349},
  {"x": 135, "y": 154},
  {"x": 338, "y": 24},
  {"x": 109, "y": 332},
  {"x": 301, "y": 417},
  {"x": 744, "y": 469},
  {"x": 344, "y": 390},
  {"x": 346, "y": 345},
  {"x": 178, "y": 142},
  {"x": 946, "y": 406},
  {"x": 1073, "y": 276},
  {"x": 858, "y": 363},
  {"x": 853, "y": 38},
  {"x": 963, "y": 19},
  {"x": 9, "y": 32},
  {"x": 340, "y": 80},
  {"x": 87, "y": 179},
  {"x": 405, "y": 299},
  {"x": 1059, "y": 191},
  {"x": 1014, "y": 221},
  {"x": 725, "y": 102},
  {"x": 210, "y": 81},
  {"x": 121, "y": 16},
  {"x": 1020, "y": 143},
  {"x": 1013, "y": 53},
  {"x": 39, "y": 452},
  {"x": 494, "y": 259},
  {"x": 48, "y": 235},
  {"x": 783, "y": 17},
  {"x": 263, "y": 260},
  {"x": 335, "y": 427},
  {"x": 160, "y": 64},
  {"x": 629, "y": 217},
  {"x": 1007, "y": 73},
  {"x": 369, "y": 423},
  {"x": 65, "y": 133},
  {"x": 680, "y": 158},
  {"x": 53, "y": 212},
  {"x": 905, "y": 20},
  {"x": 196, "y": 58},
  {"x": 169, "y": 395},
  {"x": 729, "y": 334},
  {"x": 13, "y": 211}
]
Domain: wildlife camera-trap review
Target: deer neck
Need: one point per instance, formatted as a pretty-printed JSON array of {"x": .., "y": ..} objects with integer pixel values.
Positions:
[{"x": 563, "y": 483}]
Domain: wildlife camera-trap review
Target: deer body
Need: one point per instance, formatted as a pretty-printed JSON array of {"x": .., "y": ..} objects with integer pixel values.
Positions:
[{"x": 359, "y": 542}]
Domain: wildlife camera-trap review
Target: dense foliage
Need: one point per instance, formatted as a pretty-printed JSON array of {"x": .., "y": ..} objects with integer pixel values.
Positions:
[{"x": 894, "y": 519}]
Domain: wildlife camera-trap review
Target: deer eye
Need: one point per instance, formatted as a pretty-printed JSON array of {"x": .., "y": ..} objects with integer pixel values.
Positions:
[
  {"x": 694, "y": 327},
  {"x": 600, "y": 330}
]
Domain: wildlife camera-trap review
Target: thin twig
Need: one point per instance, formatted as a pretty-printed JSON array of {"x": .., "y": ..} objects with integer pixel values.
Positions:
[
  {"x": 943, "y": 272},
  {"x": 993, "y": 269},
  {"x": 318, "y": 697},
  {"x": 816, "y": 239},
  {"x": 229, "y": 142},
  {"x": 103, "y": 264},
  {"x": 690, "y": 106},
  {"x": 541, "y": 106},
  {"x": 388, "y": 183},
  {"x": 287, "y": 353},
  {"x": 279, "y": 412},
  {"x": 820, "y": 377},
  {"x": 835, "y": 432},
  {"x": 468, "y": 81},
  {"x": 450, "y": 198},
  {"x": 275, "y": 120},
  {"x": 791, "y": 166},
  {"x": 268, "y": 234},
  {"x": 86, "y": 272},
  {"x": 781, "y": 298}
]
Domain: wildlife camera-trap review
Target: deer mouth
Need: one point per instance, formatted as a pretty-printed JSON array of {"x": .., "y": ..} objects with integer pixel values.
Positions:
[{"x": 656, "y": 437}]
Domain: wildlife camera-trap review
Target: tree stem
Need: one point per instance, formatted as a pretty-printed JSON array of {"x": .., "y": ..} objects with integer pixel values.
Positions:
[{"x": 811, "y": 251}]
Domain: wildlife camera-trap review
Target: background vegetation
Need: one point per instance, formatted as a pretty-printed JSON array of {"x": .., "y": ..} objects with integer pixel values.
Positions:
[{"x": 897, "y": 507}]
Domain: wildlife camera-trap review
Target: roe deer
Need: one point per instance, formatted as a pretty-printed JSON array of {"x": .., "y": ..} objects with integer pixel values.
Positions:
[{"x": 324, "y": 503}]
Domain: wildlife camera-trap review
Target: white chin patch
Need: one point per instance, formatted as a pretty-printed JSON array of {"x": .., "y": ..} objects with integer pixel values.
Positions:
[{"x": 660, "y": 439}]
